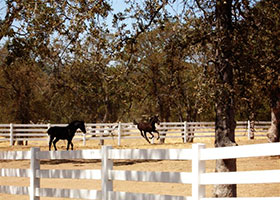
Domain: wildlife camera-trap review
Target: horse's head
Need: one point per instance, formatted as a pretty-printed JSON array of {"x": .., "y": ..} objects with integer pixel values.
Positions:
[
  {"x": 155, "y": 119},
  {"x": 80, "y": 125}
]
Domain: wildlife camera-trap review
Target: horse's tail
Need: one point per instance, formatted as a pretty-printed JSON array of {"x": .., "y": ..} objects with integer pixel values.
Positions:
[{"x": 134, "y": 122}]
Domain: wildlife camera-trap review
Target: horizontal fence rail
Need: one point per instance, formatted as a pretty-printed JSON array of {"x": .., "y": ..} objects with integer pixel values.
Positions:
[
  {"x": 198, "y": 178},
  {"x": 187, "y": 131}
]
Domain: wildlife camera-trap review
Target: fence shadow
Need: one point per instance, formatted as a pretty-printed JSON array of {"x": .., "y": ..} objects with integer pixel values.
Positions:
[
  {"x": 133, "y": 162},
  {"x": 94, "y": 161},
  {"x": 63, "y": 161}
]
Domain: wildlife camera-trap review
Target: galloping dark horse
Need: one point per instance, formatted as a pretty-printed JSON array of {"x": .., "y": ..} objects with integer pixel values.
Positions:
[
  {"x": 149, "y": 127},
  {"x": 65, "y": 133}
]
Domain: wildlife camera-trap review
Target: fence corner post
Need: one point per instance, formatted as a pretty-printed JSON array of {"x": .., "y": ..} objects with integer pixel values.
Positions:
[
  {"x": 11, "y": 134},
  {"x": 119, "y": 133},
  {"x": 34, "y": 180},
  {"x": 198, "y": 167},
  {"x": 107, "y": 166}
]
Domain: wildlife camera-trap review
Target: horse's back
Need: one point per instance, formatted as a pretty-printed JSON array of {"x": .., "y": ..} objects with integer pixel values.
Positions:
[
  {"x": 54, "y": 131},
  {"x": 145, "y": 127}
]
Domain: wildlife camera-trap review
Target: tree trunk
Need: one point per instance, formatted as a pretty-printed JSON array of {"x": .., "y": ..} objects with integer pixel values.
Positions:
[
  {"x": 224, "y": 136},
  {"x": 225, "y": 123},
  {"x": 274, "y": 130},
  {"x": 23, "y": 112},
  {"x": 165, "y": 115}
]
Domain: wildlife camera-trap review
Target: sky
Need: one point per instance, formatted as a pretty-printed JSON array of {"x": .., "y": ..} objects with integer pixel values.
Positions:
[
  {"x": 120, "y": 5},
  {"x": 117, "y": 5}
]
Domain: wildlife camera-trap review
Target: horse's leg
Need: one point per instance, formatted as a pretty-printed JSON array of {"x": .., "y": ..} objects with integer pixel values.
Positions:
[
  {"x": 142, "y": 134},
  {"x": 72, "y": 146},
  {"x": 157, "y": 134},
  {"x": 54, "y": 142},
  {"x": 145, "y": 136},
  {"x": 68, "y": 144},
  {"x": 50, "y": 142},
  {"x": 152, "y": 135}
]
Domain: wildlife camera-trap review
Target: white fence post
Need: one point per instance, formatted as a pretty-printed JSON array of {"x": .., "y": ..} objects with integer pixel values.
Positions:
[
  {"x": 185, "y": 131},
  {"x": 119, "y": 133},
  {"x": 198, "y": 167},
  {"x": 249, "y": 129},
  {"x": 11, "y": 134},
  {"x": 84, "y": 139},
  {"x": 107, "y": 166},
  {"x": 153, "y": 140},
  {"x": 34, "y": 181}
]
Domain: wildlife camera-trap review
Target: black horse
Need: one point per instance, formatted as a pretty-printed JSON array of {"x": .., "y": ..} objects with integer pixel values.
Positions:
[
  {"x": 149, "y": 127},
  {"x": 65, "y": 133}
]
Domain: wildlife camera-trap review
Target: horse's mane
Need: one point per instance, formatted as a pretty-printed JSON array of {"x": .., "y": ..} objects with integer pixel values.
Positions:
[{"x": 153, "y": 118}]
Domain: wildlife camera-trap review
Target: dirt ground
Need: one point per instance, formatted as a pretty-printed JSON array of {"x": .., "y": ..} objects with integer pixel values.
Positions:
[{"x": 248, "y": 190}]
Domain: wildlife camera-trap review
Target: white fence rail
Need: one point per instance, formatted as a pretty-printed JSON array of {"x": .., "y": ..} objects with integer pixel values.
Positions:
[
  {"x": 197, "y": 178},
  {"x": 120, "y": 131}
]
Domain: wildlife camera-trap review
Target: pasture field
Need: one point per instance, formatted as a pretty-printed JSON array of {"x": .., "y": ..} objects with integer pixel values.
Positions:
[{"x": 244, "y": 164}]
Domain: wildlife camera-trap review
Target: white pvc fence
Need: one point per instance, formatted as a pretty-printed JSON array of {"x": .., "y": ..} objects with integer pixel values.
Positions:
[
  {"x": 197, "y": 178},
  {"x": 121, "y": 131}
]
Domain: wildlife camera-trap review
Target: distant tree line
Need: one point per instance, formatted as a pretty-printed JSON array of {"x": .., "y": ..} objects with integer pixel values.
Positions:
[{"x": 60, "y": 63}]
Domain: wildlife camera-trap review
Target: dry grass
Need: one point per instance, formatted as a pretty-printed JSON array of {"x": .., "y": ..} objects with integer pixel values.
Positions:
[{"x": 250, "y": 190}]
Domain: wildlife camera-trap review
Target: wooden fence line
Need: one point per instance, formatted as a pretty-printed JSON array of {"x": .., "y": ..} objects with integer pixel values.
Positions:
[
  {"x": 120, "y": 131},
  {"x": 198, "y": 178}
]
